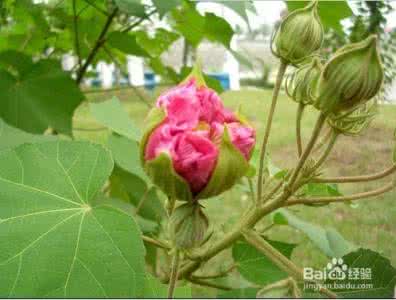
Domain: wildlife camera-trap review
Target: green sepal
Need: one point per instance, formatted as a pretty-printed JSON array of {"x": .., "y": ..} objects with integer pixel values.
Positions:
[
  {"x": 231, "y": 166},
  {"x": 154, "y": 118},
  {"x": 197, "y": 74},
  {"x": 162, "y": 173}
]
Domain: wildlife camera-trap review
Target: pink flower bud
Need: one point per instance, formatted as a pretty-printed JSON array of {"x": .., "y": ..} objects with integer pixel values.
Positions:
[{"x": 191, "y": 133}]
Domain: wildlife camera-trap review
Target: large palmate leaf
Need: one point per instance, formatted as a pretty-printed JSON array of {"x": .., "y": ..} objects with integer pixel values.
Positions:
[
  {"x": 11, "y": 137},
  {"x": 368, "y": 273},
  {"x": 35, "y": 96},
  {"x": 55, "y": 239},
  {"x": 111, "y": 114},
  {"x": 126, "y": 155},
  {"x": 126, "y": 43},
  {"x": 218, "y": 30},
  {"x": 330, "y": 12},
  {"x": 256, "y": 267},
  {"x": 157, "y": 44},
  {"x": 328, "y": 240}
]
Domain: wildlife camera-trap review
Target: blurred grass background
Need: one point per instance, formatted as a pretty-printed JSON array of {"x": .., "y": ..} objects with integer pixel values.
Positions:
[{"x": 369, "y": 223}]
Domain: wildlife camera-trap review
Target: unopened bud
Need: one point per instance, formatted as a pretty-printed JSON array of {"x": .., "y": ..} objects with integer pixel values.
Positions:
[
  {"x": 352, "y": 77},
  {"x": 188, "y": 225},
  {"x": 299, "y": 35},
  {"x": 300, "y": 86}
]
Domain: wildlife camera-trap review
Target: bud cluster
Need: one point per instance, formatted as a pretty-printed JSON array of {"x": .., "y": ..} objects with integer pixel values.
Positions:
[{"x": 342, "y": 87}]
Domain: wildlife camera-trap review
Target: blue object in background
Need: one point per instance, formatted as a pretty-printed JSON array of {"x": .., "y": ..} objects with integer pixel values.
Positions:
[
  {"x": 223, "y": 78},
  {"x": 149, "y": 81}
]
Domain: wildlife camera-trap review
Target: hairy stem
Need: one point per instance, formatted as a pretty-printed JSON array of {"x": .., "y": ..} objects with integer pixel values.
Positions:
[
  {"x": 324, "y": 200},
  {"x": 300, "y": 111},
  {"x": 362, "y": 178},
  {"x": 307, "y": 151},
  {"x": 218, "y": 275},
  {"x": 279, "y": 78},
  {"x": 174, "y": 273},
  {"x": 284, "y": 283},
  {"x": 199, "y": 281},
  {"x": 274, "y": 255},
  {"x": 327, "y": 151},
  {"x": 155, "y": 242},
  {"x": 99, "y": 43}
]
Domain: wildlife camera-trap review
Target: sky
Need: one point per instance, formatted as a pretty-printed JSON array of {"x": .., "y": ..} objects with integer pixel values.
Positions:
[{"x": 268, "y": 11}]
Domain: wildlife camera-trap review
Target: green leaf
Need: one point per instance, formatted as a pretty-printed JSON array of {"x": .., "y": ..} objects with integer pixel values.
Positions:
[
  {"x": 126, "y": 155},
  {"x": 329, "y": 241},
  {"x": 238, "y": 7},
  {"x": 126, "y": 42},
  {"x": 321, "y": 189},
  {"x": 230, "y": 167},
  {"x": 134, "y": 190},
  {"x": 256, "y": 267},
  {"x": 157, "y": 44},
  {"x": 279, "y": 219},
  {"x": 190, "y": 23},
  {"x": 164, "y": 6},
  {"x": 246, "y": 293},
  {"x": 330, "y": 12},
  {"x": 153, "y": 288},
  {"x": 55, "y": 239},
  {"x": 161, "y": 172},
  {"x": 381, "y": 283},
  {"x": 111, "y": 114},
  {"x": 11, "y": 137},
  {"x": 131, "y": 7},
  {"x": 217, "y": 29},
  {"x": 38, "y": 96}
]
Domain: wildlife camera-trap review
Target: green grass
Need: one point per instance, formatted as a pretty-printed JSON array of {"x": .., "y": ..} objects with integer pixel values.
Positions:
[{"x": 370, "y": 223}]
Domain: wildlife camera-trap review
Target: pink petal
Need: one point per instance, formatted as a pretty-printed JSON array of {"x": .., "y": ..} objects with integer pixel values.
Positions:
[
  {"x": 194, "y": 159},
  {"x": 243, "y": 137}
]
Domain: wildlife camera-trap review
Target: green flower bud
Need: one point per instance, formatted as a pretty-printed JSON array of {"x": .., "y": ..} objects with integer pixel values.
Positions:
[
  {"x": 352, "y": 123},
  {"x": 300, "y": 86},
  {"x": 352, "y": 77},
  {"x": 188, "y": 225},
  {"x": 299, "y": 35}
]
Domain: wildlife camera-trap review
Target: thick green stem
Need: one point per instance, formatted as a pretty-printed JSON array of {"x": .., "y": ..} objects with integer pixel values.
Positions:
[
  {"x": 280, "y": 260},
  {"x": 327, "y": 151},
  {"x": 174, "y": 273},
  {"x": 274, "y": 255},
  {"x": 362, "y": 178},
  {"x": 323, "y": 200},
  {"x": 300, "y": 111},
  {"x": 279, "y": 78}
]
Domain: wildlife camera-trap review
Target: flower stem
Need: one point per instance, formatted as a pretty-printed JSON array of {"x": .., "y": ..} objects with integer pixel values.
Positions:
[
  {"x": 307, "y": 151},
  {"x": 300, "y": 111},
  {"x": 279, "y": 78},
  {"x": 280, "y": 260},
  {"x": 327, "y": 151},
  {"x": 174, "y": 273},
  {"x": 362, "y": 178},
  {"x": 274, "y": 255},
  {"x": 324, "y": 200}
]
